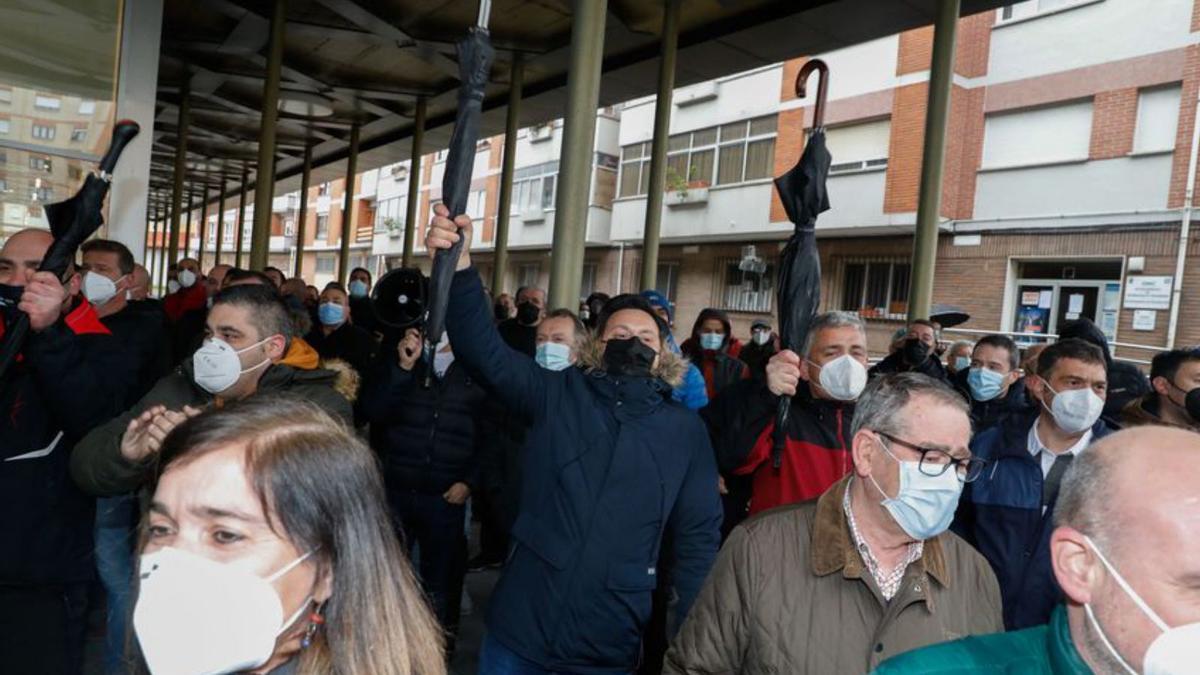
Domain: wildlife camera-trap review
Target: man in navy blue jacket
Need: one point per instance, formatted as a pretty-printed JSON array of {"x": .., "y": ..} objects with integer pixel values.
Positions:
[
  {"x": 611, "y": 465},
  {"x": 1008, "y": 512}
]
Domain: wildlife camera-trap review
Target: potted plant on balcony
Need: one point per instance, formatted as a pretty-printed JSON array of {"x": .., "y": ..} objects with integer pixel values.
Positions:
[
  {"x": 394, "y": 228},
  {"x": 682, "y": 191}
]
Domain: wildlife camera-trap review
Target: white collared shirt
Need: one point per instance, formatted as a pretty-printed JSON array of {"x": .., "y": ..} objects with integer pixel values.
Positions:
[{"x": 1047, "y": 456}]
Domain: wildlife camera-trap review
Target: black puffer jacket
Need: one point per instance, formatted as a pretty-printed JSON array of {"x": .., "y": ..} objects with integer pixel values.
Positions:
[{"x": 426, "y": 437}]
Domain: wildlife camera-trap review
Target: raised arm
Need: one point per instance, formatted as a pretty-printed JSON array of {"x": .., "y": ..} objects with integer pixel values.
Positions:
[{"x": 473, "y": 333}]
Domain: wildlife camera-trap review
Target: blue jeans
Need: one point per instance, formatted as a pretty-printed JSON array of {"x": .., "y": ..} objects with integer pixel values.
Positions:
[
  {"x": 496, "y": 659},
  {"x": 114, "y": 563}
]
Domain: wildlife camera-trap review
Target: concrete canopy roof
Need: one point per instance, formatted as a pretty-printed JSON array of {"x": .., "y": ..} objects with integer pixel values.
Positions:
[{"x": 369, "y": 60}]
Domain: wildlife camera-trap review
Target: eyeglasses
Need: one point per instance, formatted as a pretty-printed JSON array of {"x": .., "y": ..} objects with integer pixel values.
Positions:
[{"x": 934, "y": 463}]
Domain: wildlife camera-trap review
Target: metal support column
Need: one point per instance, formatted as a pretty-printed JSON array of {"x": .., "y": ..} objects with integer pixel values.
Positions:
[
  {"x": 302, "y": 218},
  {"x": 658, "y": 151},
  {"x": 348, "y": 208},
  {"x": 512, "y": 122},
  {"x": 163, "y": 247},
  {"x": 264, "y": 176},
  {"x": 187, "y": 233},
  {"x": 925, "y": 241},
  {"x": 220, "y": 223},
  {"x": 181, "y": 138},
  {"x": 241, "y": 217},
  {"x": 575, "y": 167},
  {"x": 203, "y": 226},
  {"x": 414, "y": 182}
]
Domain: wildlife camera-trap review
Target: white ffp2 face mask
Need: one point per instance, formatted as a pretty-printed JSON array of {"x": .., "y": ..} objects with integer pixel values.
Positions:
[
  {"x": 196, "y": 616},
  {"x": 99, "y": 289},
  {"x": 1174, "y": 652},
  {"x": 1074, "y": 410},
  {"x": 843, "y": 378},
  {"x": 216, "y": 366},
  {"x": 187, "y": 278}
]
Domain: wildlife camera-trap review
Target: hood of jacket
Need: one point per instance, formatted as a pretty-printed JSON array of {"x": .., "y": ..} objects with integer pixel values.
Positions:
[
  {"x": 1084, "y": 329},
  {"x": 671, "y": 367}
]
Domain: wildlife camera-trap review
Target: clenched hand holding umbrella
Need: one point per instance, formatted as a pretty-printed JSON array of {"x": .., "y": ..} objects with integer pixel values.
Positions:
[
  {"x": 802, "y": 191},
  {"x": 475, "y": 55}
]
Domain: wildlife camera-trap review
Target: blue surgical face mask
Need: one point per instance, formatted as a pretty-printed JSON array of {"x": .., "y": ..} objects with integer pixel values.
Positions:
[
  {"x": 553, "y": 356},
  {"x": 962, "y": 363},
  {"x": 331, "y": 313},
  {"x": 358, "y": 288},
  {"x": 925, "y": 505},
  {"x": 711, "y": 341},
  {"x": 985, "y": 384}
]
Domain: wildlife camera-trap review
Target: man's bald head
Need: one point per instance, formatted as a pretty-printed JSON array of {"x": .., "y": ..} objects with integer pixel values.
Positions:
[
  {"x": 22, "y": 254},
  {"x": 216, "y": 278},
  {"x": 1130, "y": 478}
]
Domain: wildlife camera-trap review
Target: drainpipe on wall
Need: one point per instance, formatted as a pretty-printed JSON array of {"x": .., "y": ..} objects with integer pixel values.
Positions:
[
  {"x": 620, "y": 265},
  {"x": 1184, "y": 230}
]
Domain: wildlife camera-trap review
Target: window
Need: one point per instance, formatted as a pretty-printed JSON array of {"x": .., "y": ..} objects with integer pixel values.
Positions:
[
  {"x": 1029, "y": 8},
  {"x": 289, "y": 227},
  {"x": 666, "y": 281},
  {"x": 635, "y": 170},
  {"x": 587, "y": 284},
  {"x": 876, "y": 289},
  {"x": 323, "y": 190},
  {"x": 528, "y": 274},
  {"x": 42, "y": 193},
  {"x": 3, "y": 185},
  {"x": 5, "y": 126},
  {"x": 1157, "y": 115},
  {"x": 44, "y": 132},
  {"x": 47, "y": 102},
  {"x": 78, "y": 134},
  {"x": 475, "y": 204},
  {"x": 691, "y": 157},
  {"x": 1038, "y": 136},
  {"x": 860, "y": 147},
  {"x": 747, "y": 150},
  {"x": 87, "y": 107},
  {"x": 40, "y": 163},
  {"x": 534, "y": 188},
  {"x": 74, "y": 172},
  {"x": 745, "y": 290},
  {"x": 390, "y": 214},
  {"x": 326, "y": 264},
  {"x": 322, "y": 226}
]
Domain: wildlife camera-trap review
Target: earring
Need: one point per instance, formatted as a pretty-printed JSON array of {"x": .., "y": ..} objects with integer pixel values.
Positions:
[{"x": 315, "y": 621}]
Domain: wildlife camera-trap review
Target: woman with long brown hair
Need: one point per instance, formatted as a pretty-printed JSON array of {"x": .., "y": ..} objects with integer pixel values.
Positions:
[{"x": 268, "y": 548}]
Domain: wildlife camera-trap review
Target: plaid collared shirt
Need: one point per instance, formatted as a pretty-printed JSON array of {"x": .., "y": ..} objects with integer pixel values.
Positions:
[{"x": 888, "y": 582}]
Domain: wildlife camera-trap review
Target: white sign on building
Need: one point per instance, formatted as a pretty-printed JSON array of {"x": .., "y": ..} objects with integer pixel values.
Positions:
[{"x": 1144, "y": 292}]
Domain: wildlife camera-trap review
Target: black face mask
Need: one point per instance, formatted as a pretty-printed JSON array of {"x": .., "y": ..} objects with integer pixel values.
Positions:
[
  {"x": 9, "y": 297},
  {"x": 915, "y": 352},
  {"x": 628, "y": 358},
  {"x": 528, "y": 313},
  {"x": 1191, "y": 403}
]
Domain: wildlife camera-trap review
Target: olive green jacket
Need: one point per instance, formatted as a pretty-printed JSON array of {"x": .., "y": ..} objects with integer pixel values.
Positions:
[
  {"x": 1041, "y": 650},
  {"x": 790, "y": 595}
]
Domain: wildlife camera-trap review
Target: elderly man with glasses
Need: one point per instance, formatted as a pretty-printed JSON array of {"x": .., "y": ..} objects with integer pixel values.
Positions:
[{"x": 866, "y": 571}]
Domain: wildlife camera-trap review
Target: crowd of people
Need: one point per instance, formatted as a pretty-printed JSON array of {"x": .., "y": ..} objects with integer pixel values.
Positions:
[{"x": 241, "y": 471}]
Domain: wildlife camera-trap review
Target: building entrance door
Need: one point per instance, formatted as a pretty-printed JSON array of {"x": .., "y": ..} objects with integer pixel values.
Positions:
[{"x": 1051, "y": 294}]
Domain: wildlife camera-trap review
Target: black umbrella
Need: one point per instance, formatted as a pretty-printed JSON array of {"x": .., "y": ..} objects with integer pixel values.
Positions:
[
  {"x": 802, "y": 191},
  {"x": 71, "y": 222},
  {"x": 948, "y": 316},
  {"x": 475, "y": 55}
]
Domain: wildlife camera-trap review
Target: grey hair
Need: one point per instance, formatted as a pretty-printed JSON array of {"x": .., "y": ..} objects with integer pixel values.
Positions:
[
  {"x": 880, "y": 406},
  {"x": 834, "y": 319},
  {"x": 1084, "y": 495},
  {"x": 960, "y": 343}
]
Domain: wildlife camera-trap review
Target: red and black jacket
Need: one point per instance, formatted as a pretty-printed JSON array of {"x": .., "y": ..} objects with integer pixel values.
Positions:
[
  {"x": 741, "y": 421},
  {"x": 71, "y": 377}
]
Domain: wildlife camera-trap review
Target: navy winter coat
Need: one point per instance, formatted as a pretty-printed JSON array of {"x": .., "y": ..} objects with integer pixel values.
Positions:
[
  {"x": 610, "y": 465},
  {"x": 1000, "y": 514}
]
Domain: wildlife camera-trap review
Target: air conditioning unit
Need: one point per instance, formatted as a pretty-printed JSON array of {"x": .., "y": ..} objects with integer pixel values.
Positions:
[
  {"x": 751, "y": 262},
  {"x": 541, "y": 132},
  {"x": 399, "y": 172}
]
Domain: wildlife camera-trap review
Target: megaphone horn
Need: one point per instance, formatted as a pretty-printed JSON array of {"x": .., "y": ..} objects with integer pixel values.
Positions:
[{"x": 400, "y": 297}]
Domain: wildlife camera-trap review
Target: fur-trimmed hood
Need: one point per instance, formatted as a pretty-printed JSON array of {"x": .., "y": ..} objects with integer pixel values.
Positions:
[
  {"x": 671, "y": 368},
  {"x": 347, "y": 381}
]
